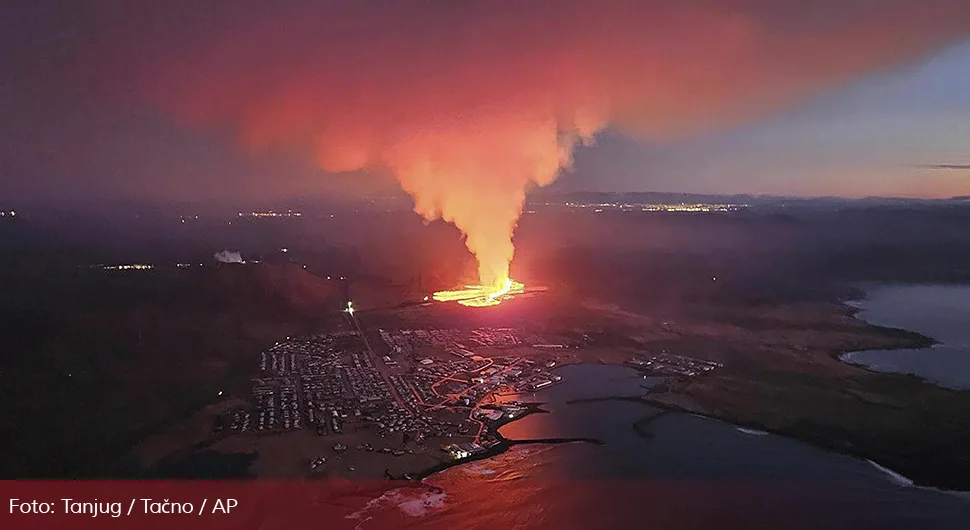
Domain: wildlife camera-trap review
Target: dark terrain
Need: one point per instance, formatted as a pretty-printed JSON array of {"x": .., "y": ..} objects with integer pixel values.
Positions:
[{"x": 93, "y": 361}]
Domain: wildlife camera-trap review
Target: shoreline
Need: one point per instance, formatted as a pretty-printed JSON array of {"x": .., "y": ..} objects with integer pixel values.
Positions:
[
  {"x": 853, "y": 304},
  {"x": 924, "y": 342},
  {"x": 651, "y": 399},
  {"x": 843, "y": 447},
  {"x": 640, "y": 425},
  {"x": 818, "y": 443},
  {"x": 503, "y": 445}
]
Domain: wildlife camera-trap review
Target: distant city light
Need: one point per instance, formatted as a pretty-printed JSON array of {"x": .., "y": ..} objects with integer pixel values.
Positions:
[
  {"x": 127, "y": 267},
  {"x": 271, "y": 213},
  {"x": 633, "y": 207}
]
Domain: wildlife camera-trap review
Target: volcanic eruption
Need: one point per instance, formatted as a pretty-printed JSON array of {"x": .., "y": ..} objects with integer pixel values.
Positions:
[
  {"x": 469, "y": 105},
  {"x": 480, "y": 295}
]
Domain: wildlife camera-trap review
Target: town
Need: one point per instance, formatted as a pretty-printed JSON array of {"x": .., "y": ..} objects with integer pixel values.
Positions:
[
  {"x": 422, "y": 384},
  {"x": 665, "y": 364},
  {"x": 402, "y": 391}
]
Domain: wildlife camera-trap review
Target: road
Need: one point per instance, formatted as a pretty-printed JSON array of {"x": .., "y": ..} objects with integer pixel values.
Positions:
[{"x": 376, "y": 361}]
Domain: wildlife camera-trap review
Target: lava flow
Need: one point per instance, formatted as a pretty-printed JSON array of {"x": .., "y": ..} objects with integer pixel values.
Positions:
[{"x": 481, "y": 295}]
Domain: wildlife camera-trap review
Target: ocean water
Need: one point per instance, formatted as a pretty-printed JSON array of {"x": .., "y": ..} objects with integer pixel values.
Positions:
[
  {"x": 938, "y": 311},
  {"x": 676, "y": 471}
]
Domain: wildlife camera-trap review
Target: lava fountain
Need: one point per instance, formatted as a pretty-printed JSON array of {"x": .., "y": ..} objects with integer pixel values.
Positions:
[{"x": 482, "y": 295}]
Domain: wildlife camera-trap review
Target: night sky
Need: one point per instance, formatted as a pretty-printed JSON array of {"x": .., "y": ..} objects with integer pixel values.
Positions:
[{"x": 242, "y": 100}]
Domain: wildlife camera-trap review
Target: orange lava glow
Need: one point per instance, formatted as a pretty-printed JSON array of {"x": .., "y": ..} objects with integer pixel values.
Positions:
[{"x": 480, "y": 295}]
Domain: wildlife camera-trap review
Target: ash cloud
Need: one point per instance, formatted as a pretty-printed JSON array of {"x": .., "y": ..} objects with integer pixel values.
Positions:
[{"x": 471, "y": 104}]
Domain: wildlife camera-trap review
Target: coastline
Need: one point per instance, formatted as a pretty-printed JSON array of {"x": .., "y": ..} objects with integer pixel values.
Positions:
[
  {"x": 503, "y": 445},
  {"x": 817, "y": 442},
  {"x": 925, "y": 468},
  {"x": 667, "y": 406},
  {"x": 918, "y": 340},
  {"x": 852, "y": 357},
  {"x": 854, "y": 304}
]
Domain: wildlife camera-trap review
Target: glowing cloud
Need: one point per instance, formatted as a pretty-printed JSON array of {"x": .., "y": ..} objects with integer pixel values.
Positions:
[{"x": 470, "y": 104}]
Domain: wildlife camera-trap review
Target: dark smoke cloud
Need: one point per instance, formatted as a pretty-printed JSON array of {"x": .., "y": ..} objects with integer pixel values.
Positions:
[{"x": 958, "y": 167}]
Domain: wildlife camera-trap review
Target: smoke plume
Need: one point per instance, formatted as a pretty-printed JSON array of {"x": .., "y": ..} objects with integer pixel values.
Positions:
[
  {"x": 470, "y": 104},
  {"x": 227, "y": 256}
]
